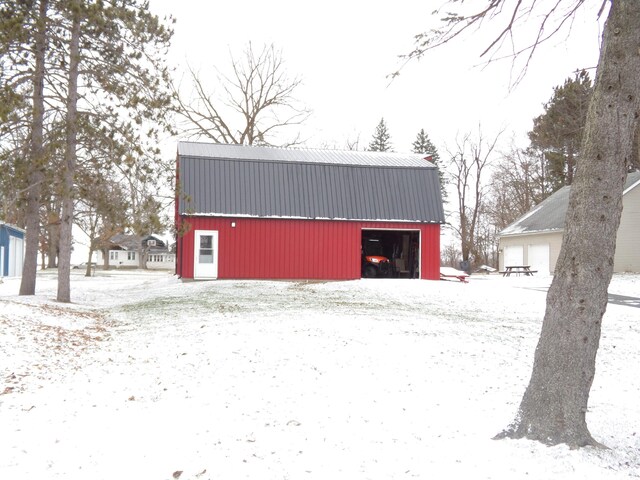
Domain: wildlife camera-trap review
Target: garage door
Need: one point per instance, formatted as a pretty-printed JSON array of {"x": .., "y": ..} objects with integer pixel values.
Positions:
[
  {"x": 16, "y": 256},
  {"x": 539, "y": 258},
  {"x": 513, "y": 255}
]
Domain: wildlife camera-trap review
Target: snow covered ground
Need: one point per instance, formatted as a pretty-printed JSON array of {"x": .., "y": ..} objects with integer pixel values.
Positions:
[{"x": 146, "y": 377}]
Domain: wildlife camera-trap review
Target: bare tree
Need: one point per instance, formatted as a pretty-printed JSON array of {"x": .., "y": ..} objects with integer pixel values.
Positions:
[
  {"x": 100, "y": 214},
  {"x": 468, "y": 169},
  {"x": 554, "y": 406},
  {"x": 517, "y": 185},
  {"x": 258, "y": 102},
  {"x": 352, "y": 143},
  {"x": 450, "y": 255}
]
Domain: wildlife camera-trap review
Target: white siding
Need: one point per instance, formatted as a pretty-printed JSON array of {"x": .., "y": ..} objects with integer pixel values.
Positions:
[
  {"x": 553, "y": 240},
  {"x": 161, "y": 261},
  {"x": 627, "y": 257},
  {"x": 119, "y": 258},
  {"x": 125, "y": 259}
]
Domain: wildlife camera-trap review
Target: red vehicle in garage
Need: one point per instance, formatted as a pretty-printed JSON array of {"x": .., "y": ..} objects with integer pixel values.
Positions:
[{"x": 374, "y": 262}]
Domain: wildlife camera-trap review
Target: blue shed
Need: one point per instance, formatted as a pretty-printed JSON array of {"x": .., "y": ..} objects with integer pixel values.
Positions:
[{"x": 11, "y": 250}]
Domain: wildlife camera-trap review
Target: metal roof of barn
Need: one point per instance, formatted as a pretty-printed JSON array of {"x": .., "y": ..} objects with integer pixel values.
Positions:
[
  {"x": 266, "y": 182},
  {"x": 300, "y": 155},
  {"x": 549, "y": 215}
]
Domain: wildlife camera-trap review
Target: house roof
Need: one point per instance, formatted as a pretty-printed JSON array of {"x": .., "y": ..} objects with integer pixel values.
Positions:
[
  {"x": 128, "y": 242},
  {"x": 548, "y": 215},
  {"x": 266, "y": 182},
  {"x": 13, "y": 227},
  {"x": 134, "y": 242}
]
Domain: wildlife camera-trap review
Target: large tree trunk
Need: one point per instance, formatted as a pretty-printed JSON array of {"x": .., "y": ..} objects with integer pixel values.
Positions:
[
  {"x": 105, "y": 256},
  {"x": 53, "y": 240},
  {"x": 554, "y": 405},
  {"x": 90, "y": 268},
  {"x": 68, "y": 172},
  {"x": 32, "y": 217}
]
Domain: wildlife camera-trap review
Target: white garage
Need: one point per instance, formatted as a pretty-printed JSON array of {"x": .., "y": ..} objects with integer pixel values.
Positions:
[{"x": 536, "y": 237}]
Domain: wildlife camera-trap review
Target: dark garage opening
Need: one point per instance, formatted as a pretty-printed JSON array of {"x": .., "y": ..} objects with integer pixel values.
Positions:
[{"x": 390, "y": 254}]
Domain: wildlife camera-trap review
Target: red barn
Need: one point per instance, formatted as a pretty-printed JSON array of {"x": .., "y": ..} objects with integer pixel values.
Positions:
[{"x": 274, "y": 213}]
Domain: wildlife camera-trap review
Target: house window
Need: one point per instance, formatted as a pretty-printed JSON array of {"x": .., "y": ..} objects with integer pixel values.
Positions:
[
  {"x": 131, "y": 255},
  {"x": 113, "y": 255},
  {"x": 156, "y": 258}
]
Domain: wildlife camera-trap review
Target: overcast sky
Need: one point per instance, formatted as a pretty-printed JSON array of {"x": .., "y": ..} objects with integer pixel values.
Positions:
[{"x": 344, "y": 49}]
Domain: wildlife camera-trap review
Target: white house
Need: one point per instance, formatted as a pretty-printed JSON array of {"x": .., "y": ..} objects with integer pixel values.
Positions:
[
  {"x": 535, "y": 238},
  {"x": 128, "y": 251}
]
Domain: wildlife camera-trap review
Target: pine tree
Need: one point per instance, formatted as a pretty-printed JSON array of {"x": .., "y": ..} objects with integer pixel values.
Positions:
[
  {"x": 423, "y": 145},
  {"x": 82, "y": 81},
  {"x": 557, "y": 133},
  {"x": 104, "y": 44},
  {"x": 381, "y": 139}
]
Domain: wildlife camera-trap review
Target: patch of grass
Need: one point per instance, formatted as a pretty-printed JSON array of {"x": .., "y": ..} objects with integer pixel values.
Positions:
[
  {"x": 152, "y": 305},
  {"x": 203, "y": 302}
]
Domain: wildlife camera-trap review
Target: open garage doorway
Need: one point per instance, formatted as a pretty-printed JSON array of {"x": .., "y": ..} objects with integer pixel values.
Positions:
[{"x": 390, "y": 253}]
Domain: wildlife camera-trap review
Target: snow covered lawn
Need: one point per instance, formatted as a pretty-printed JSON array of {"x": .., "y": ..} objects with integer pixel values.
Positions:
[{"x": 146, "y": 377}]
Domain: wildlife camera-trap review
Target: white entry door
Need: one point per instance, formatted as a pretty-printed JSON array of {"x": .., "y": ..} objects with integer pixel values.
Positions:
[{"x": 206, "y": 254}]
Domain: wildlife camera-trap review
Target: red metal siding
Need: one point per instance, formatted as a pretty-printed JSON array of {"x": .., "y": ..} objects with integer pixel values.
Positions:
[
  {"x": 430, "y": 245},
  {"x": 296, "y": 249}
]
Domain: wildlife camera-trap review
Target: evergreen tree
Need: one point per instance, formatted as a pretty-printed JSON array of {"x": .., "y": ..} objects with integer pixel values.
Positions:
[
  {"x": 381, "y": 139},
  {"x": 104, "y": 44},
  {"x": 424, "y": 146},
  {"x": 81, "y": 80},
  {"x": 557, "y": 133}
]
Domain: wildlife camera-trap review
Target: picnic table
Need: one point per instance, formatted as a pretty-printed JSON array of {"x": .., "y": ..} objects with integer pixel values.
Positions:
[
  {"x": 447, "y": 273},
  {"x": 518, "y": 270}
]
